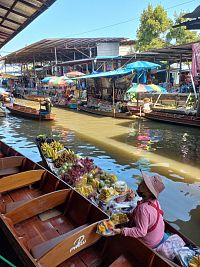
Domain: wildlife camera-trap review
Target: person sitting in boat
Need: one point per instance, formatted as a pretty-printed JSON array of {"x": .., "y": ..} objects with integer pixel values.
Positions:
[
  {"x": 12, "y": 100},
  {"x": 146, "y": 105},
  {"x": 47, "y": 103},
  {"x": 146, "y": 221}
]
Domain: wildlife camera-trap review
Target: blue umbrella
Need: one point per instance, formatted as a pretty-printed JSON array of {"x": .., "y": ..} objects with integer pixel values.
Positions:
[
  {"x": 142, "y": 65},
  {"x": 46, "y": 79}
]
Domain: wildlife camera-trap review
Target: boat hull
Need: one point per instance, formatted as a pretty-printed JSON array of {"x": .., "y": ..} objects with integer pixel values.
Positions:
[
  {"x": 179, "y": 119},
  {"x": 106, "y": 114},
  {"x": 49, "y": 243},
  {"x": 30, "y": 113}
]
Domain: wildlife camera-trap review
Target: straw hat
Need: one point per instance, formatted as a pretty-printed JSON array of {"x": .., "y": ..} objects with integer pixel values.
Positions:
[{"x": 154, "y": 183}]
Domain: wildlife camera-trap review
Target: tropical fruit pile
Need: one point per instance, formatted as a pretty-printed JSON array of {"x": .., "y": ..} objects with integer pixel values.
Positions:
[
  {"x": 81, "y": 173},
  {"x": 119, "y": 218},
  {"x": 105, "y": 228},
  {"x": 67, "y": 156}
]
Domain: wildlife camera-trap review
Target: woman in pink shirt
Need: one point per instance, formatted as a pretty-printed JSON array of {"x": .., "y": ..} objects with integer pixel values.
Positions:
[{"x": 146, "y": 221}]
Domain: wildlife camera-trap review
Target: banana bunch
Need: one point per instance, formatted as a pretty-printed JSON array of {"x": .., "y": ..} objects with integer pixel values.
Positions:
[
  {"x": 195, "y": 261},
  {"x": 107, "y": 193},
  {"x": 49, "y": 151},
  {"x": 45, "y": 146},
  {"x": 85, "y": 190},
  {"x": 57, "y": 145},
  {"x": 52, "y": 154},
  {"x": 95, "y": 183}
]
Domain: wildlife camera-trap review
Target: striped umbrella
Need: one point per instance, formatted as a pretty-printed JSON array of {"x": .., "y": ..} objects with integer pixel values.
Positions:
[
  {"x": 63, "y": 80},
  {"x": 146, "y": 88}
]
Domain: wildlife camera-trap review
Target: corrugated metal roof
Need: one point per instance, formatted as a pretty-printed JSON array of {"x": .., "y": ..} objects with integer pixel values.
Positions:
[
  {"x": 194, "y": 23},
  {"x": 15, "y": 15},
  {"x": 194, "y": 14},
  {"x": 44, "y": 50},
  {"x": 173, "y": 54}
]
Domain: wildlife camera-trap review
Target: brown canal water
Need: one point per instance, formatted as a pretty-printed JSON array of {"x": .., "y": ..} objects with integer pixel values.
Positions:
[{"x": 123, "y": 147}]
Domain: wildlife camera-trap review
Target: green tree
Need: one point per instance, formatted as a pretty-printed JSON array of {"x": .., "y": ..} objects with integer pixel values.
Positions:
[
  {"x": 180, "y": 35},
  {"x": 154, "y": 23}
]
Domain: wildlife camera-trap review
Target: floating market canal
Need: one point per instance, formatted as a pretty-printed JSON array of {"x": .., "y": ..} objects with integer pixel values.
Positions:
[{"x": 123, "y": 147}]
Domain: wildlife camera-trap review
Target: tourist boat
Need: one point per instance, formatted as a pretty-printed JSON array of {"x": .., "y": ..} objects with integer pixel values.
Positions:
[
  {"x": 173, "y": 116},
  {"x": 28, "y": 112},
  {"x": 118, "y": 115},
  {"x": 49, "y": 224}
]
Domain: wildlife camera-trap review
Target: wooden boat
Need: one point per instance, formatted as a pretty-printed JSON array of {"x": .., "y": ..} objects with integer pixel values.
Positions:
[
  {"x": 118, "y": 115},
  {"x": 30, "y": 113},
  {"x": 170, "y": 117},
  {"x": 49, "y": 224},
  {"x": 34, "y": 98}
]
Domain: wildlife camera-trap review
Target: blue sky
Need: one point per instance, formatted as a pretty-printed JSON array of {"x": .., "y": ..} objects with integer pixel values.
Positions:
[{"x": 67, "y": 18}]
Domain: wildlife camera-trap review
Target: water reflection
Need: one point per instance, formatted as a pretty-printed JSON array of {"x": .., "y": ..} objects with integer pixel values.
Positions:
[
  {"x": 180, "y": 200},
  {"x": 175, "y": 142}
]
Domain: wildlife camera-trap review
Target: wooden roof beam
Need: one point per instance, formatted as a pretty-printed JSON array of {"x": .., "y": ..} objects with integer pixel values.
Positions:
[
  {"x": 13, "y": 11},
  {"x": 10, "y": 20},
  {"x": 6, "y": 27},
  {"x": 5, "y": 34},
  {"x": 28, "y": 4}
]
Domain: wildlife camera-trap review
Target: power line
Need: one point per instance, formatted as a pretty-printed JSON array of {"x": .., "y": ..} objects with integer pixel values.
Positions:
[{"x": 123, "y": 22}]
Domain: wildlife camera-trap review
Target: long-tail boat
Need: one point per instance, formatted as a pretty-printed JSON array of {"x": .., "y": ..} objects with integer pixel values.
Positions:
[
  {"x": 172, "y": 117},
  {"x": 31, "y": 113},
  {"x": 50, "y": 224},
  {"x": 34, "y": 98},
  {"x": 119, "y": 115}
]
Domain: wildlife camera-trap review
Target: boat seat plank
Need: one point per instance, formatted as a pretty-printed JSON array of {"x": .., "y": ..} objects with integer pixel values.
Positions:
[
  {"x": 38, "y": 205},
  {"x": 41, "y": 249},
  {"x": 71, "y": 245},
  {"x": 19, "y": 180},
  {"x": 16, "y": 198},
  {"x": 13, "y": 205}
]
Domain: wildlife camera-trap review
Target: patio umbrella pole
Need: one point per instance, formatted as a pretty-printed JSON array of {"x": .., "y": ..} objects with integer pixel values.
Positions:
[
  {"x": 113, "y": 98},
  {"x": 137, "y": 99},
  {"x": 157, "y": 100}
]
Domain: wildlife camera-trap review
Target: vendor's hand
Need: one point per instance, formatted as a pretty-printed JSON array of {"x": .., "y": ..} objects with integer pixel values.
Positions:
[{"x": 117, "y": 231}]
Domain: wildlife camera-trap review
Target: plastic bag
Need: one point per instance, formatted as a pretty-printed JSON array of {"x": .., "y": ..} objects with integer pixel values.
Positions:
[
  {"x": 170, "y": 247},
  {"x": 185, "y": 254}
]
